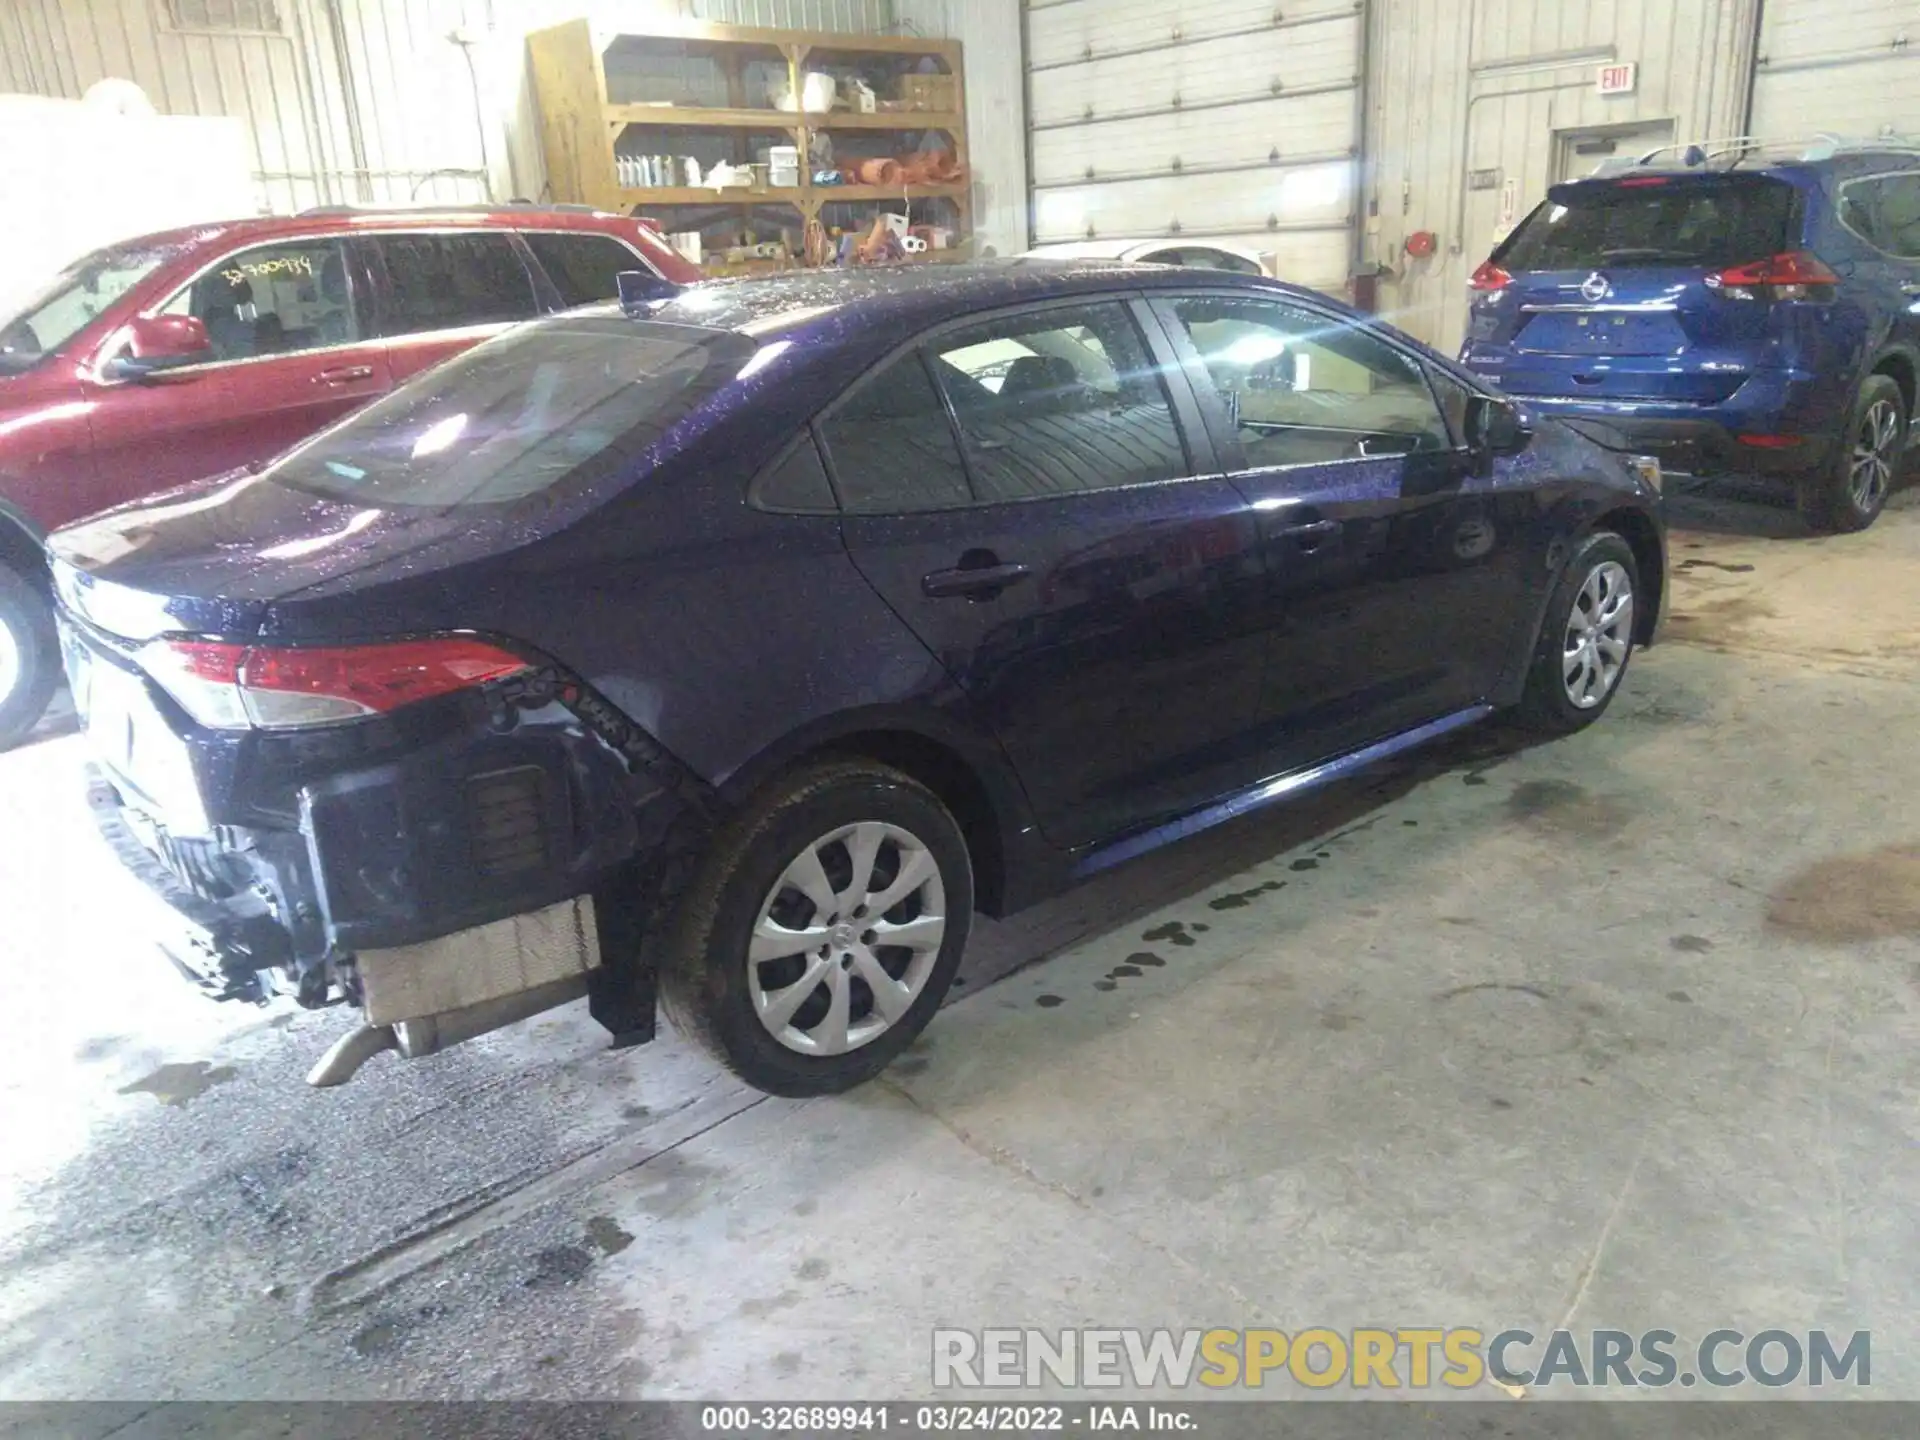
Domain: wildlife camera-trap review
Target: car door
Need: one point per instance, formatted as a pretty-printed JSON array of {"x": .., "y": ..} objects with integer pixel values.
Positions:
[
  {"x": 291, "y": 353},
  {"x": 440, "y": 292},
  {"x": 1393, "y": 570},
  {"x": 1884, "y": 211},
  {"x": 1033, "y": 494}
]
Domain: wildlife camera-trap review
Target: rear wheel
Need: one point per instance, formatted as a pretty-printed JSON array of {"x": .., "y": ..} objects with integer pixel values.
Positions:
[
  {"x": 1851, "y": 491},
  {"x": 1586, "y": 639},
  {"x": 29, "y": 658},
  {"x": 822, "y": 931}
]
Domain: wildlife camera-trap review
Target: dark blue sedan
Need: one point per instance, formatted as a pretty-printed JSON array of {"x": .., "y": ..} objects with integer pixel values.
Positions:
[{"x": 741, "y": 643}]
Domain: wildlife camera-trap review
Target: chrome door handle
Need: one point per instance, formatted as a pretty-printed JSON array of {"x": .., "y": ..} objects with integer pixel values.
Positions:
[
  {"x": 981, "y": 582},
  {"x": 1312, "y": 537},
  {"x": 344, "y": 375}
]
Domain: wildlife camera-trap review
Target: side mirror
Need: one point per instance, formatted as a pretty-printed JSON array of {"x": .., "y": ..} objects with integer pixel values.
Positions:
[
  {"x": 1495, "y": 428},
  {"x": 153, "y": 343}
]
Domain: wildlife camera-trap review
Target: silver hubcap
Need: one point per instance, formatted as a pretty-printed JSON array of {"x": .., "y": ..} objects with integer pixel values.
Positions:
[
  {"x": 847, "y": 938},
  {"x": 1599, "y": 634},
  {"x": 1875, "y": 448},
  {"x": 11, "y": 662}
]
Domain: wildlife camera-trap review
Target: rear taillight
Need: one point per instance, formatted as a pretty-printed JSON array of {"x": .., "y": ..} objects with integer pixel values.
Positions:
[
  {"x": 267, "y": 687},
  {"x": 1795, "y": 275},
  {"x": 1488, "y": 278}
]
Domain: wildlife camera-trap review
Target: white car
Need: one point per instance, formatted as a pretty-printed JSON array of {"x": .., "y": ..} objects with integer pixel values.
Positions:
[{"x": 1197, "y": 254}]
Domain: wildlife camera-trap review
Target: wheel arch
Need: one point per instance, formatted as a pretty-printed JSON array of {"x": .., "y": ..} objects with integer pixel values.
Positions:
[
  {"x": 1649, "y": 558},
  {"x": 1012, "y": 867},
  {"x": 23, "y": 548},
  {"x": 1901, "y": 366}
]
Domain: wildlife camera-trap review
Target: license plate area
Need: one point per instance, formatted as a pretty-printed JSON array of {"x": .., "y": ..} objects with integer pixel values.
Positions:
[{"x": 129, "y": 734}]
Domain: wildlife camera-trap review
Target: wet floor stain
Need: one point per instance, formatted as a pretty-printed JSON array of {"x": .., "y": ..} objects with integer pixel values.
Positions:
[
  {"x": 1410, "y": 824},
  {"x": 1145, "y": 957},
  {"x": 1472, "y": 777},
  {"x": 1873, "y": 895},
  {"x": 1679, "y": 997},
  {"x": 634, "y": 1112},
  {"x": 1691, "y": 944},
  {"x": 1124, "y": 972},
  {"x": 100, "y": 1047},
  {"x": 1201, "y": 929},
  {"x": 759, "y": 1309},
  {"x": 1307, "y": 864},
  {"x": 812, "y": 1268},
  {"x": 911, "y": 1065},
  {"x": 1174, "y": 932},
  {"x": 787, "y": 1363},
  {"x": 1335, "y": 1020},
  {"x": 1566, "y": 808},
  {"x": 179, "y": 1084},
  {"x": 1048, "y": 1002},
  {"x": 607, "y": 1236},
  {"x": 1240, "y": 899},
  {"x": 1106, "y": 984},
  {"x": 1500, "y": 1104},
  {"x": 559, "y": 1265},
  {"x": 1714, "y": 565}
]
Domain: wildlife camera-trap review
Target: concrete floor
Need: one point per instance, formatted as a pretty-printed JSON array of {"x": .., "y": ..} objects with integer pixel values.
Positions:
[{"x": 1619, "y": 1031}]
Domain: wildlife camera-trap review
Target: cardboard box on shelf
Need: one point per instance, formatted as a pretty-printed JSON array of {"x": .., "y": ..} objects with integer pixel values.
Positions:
[{"x": 928, "y": 92}]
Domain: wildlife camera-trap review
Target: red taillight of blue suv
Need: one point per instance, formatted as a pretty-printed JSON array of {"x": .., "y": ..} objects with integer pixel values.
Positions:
[
  {"x": 1795, "y": 275},
  {"x": 227, "y": 686}
]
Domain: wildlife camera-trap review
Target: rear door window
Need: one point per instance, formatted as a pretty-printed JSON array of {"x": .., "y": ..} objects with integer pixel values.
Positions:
[
  {"x": 583, "y": 268},
  {"x": 1884, "y": 210},
  {"x": 446, "y": 282},
  {"x": 891, "y": 446},
  {"x": 1654, "y": 221},
  {"x": 1052, "y": 402}
]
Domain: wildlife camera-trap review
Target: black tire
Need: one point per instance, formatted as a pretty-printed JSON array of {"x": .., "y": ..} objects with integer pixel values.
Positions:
[
  {"x": 1830, "y": 500},
  {"x": 1547, "y": 704},
  {"x": 704, "y": 987},
  {"x": 28, "y": 623}
]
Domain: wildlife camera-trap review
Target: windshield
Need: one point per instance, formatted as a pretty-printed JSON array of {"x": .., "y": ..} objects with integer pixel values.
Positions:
[
  {"x": 1622, "y": 225},
  {"x": 71, "y": 301},
  {"x": 562, "y": 403}
]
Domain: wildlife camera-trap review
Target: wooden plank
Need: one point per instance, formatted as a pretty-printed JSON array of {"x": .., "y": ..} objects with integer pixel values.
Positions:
[
  {"x": 709, "y": 33},
  {"x": 571, "y": 93}
]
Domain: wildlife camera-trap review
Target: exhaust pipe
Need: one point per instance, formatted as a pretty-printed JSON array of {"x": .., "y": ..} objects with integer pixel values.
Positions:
[{"x": 430, "y": 1034}]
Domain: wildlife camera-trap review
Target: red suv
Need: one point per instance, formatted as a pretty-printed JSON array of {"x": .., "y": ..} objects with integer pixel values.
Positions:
[{"x": 194, "y": 352}]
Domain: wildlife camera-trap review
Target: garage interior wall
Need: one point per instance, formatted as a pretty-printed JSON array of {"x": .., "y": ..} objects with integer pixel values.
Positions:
[
  {"x": 1228, "y": 119},
  {"x": 1473, "y": 104},
  {"x": 1849, "y": 69},
  {"x": 377, "y": 102}
]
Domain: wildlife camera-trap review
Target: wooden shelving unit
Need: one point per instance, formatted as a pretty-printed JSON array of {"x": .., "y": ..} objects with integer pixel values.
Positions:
[{"x": 582, "y": 121}]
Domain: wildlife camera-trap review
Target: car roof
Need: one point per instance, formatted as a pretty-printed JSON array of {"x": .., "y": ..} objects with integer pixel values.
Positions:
[
  {"x": 1133, "y": 249},
  {"x": 342, "y": 220},
  {"x": 890, "y": 300}
]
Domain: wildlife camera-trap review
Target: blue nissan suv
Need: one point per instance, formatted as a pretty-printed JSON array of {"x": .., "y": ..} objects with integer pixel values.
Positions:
[{"x": 1727, "y": 310}]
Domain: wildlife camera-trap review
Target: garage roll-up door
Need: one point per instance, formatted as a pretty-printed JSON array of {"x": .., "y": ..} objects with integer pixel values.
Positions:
[
  {"x": 1847, "y": 69},
  {"x": 1220, "y": 119}
]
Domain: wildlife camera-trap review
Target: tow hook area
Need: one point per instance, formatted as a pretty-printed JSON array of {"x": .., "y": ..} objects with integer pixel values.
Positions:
[{"x": 421, "y": 999}]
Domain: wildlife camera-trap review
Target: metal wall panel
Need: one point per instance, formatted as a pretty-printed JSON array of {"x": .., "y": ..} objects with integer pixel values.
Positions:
[
  {"x": 1229, "y": 119},
  {"x": 1847, "y": 70},
  {"x": 1459, "y": 86},
  {"x": 860, "y": 17}
]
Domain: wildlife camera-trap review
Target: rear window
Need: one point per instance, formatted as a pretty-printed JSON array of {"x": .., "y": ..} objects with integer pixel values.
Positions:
[
  {"x": 561, "y": 405},
  {"x": 1620, "y": 225}
]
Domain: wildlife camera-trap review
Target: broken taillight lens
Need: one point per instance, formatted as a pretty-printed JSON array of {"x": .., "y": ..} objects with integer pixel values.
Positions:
[{"x": 269, "y": 687}]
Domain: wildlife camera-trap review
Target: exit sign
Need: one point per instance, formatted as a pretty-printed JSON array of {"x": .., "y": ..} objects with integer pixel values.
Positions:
[{"x": 1618, "y": 79}]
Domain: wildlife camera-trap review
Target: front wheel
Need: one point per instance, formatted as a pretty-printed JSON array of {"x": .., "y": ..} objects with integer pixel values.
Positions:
[
  {"x": 1850, "y": 493},
  {"x": 29, "y": 658},
  {"x": 1586, "y": 638},
  {"x": 822, "y": 929}
]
